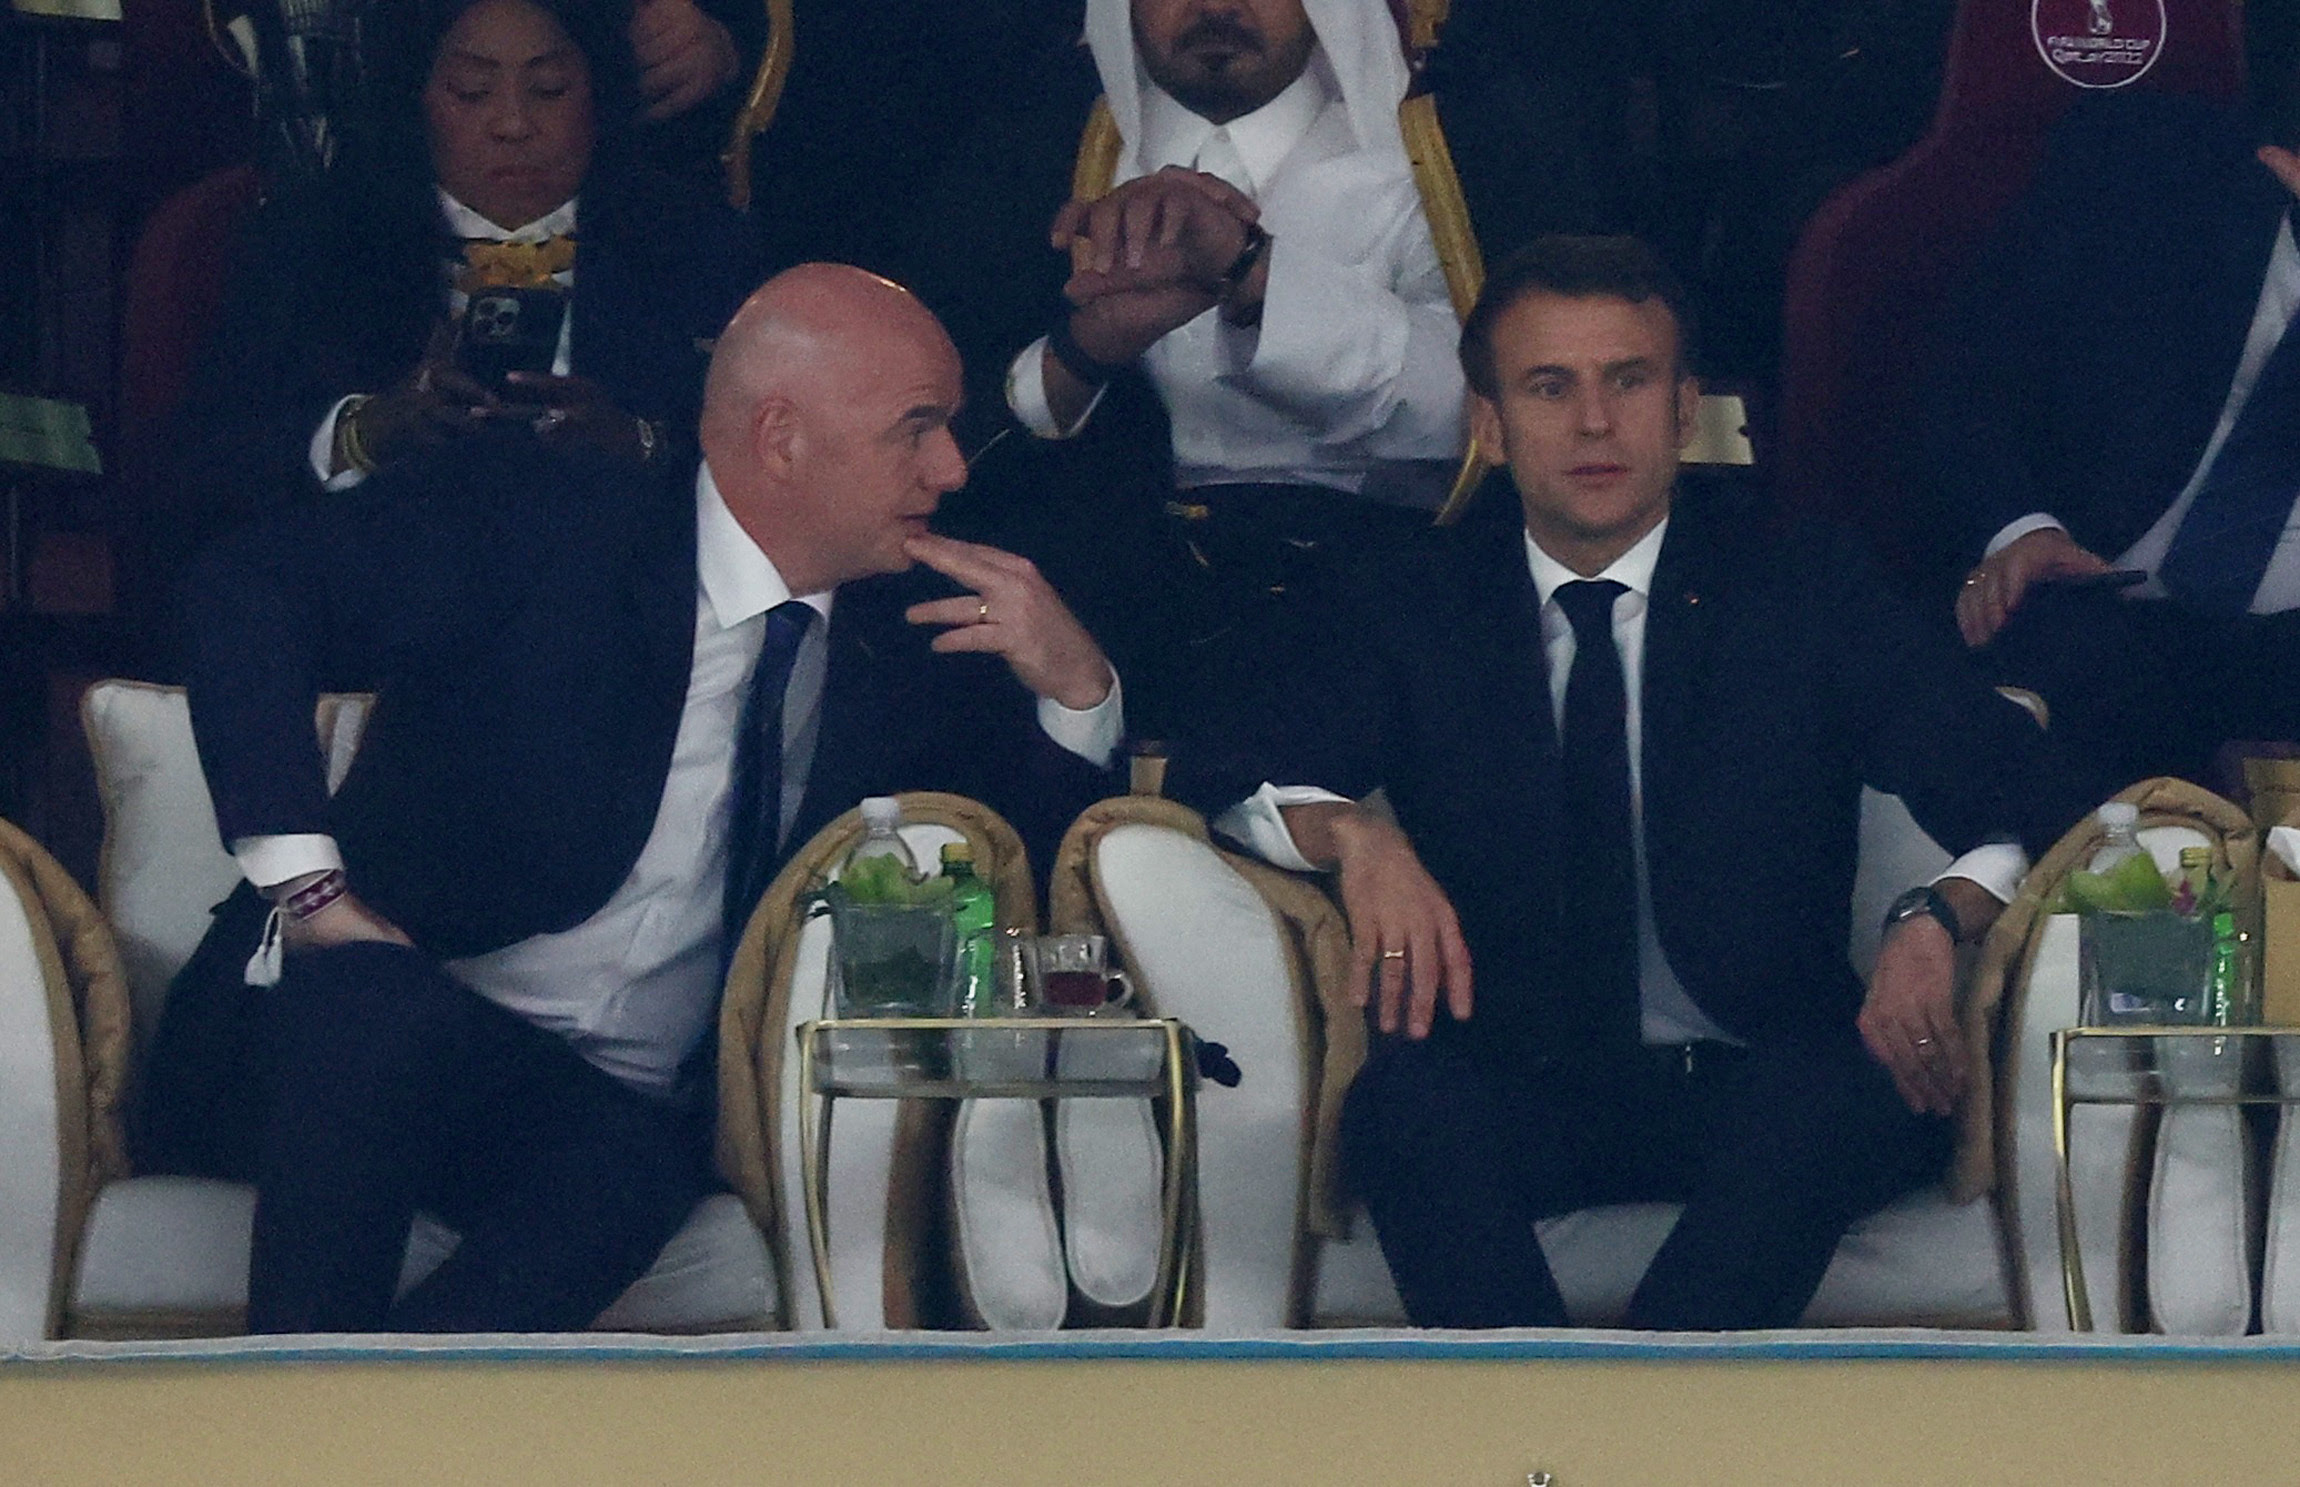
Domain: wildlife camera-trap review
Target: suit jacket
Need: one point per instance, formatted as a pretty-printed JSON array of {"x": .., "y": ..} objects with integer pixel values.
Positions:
[
  {"x": 1779, "y": 678},
  {"x": 527, "y": 620},
  {"x": 2085, "y": 363},
  {"x": 327, "y": 300}
]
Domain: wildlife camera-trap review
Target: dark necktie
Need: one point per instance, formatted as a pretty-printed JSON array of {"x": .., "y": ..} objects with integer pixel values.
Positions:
[
  {"x": 2223, "y": 544},
  {"x": 1597, "y": 862},
  {"x": 755, "y": 816}
]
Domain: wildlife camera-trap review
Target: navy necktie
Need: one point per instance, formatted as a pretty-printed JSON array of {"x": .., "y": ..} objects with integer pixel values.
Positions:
[
  {"x": 2221, "y": 549},
  {"x": 1597, "y": 866},
  {"x": 755, "y": 816}
]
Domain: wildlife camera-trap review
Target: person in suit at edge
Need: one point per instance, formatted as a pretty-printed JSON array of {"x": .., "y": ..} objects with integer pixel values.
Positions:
[
  {"x": 2118, "y": 398},
  {"x": 1624, "y": 743},
  {"x": 602, "y": 721}
]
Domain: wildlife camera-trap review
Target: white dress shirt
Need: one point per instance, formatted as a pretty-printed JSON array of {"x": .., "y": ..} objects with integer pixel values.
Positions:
[
  {"x": 633, "y": 986},
  {"x": 462, "y": 222},
  {"x": 1668, "y": 1013},
  {"x": 1349, "y": 379},
  {"x": 2280, "y": 586}
]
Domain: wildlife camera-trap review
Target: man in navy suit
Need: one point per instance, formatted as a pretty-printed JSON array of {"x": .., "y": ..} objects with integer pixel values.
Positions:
[
  {"x": 604, "y": 715},
  {"x": 1624, "y": 743},
  {"x": 2114, "y": 435}
]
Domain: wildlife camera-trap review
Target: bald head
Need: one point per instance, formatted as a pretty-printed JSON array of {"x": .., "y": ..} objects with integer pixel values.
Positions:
[
  {"x": 808, "y": 324},
  {"x": 826, "y": 421}
]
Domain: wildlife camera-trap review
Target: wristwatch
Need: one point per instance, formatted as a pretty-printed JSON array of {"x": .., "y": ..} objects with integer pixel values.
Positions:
[{"x": 1925, "y": 899}]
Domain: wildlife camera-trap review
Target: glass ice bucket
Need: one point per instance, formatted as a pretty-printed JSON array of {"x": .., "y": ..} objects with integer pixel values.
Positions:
[{"x": 890, "y": 960}]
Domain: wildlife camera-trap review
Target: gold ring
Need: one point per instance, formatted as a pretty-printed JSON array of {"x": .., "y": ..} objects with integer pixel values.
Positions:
[
  {"x": 982, "y": 613},
  {"x": 1971, "y": 579},
  {"x": 1924, "y": 1042},
  {"x": 1393, "y": 955}
]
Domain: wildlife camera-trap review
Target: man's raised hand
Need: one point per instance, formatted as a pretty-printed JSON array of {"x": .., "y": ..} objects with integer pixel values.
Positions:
[
  {"x": 1201, "y": 217},
  {"x": 1012, "y": 611}
]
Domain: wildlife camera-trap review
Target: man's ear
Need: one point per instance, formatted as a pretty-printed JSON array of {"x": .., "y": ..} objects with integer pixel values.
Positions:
[
  {"x": 1688, "y": 409},
  {"x": 778, "y": 437},
  {"x": 1485, "y": 426}
]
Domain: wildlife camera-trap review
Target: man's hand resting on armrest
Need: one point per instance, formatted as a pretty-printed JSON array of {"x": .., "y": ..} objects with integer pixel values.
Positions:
[
  {"x": 1909, "y": 1021},
  {"x": 1407, "y": 941},
  {"x": 343, "y": 922}
]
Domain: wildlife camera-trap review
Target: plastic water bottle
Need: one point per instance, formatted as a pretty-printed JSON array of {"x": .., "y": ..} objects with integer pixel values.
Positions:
[
  {"x": 974, "y": 921},
  {"x": 882, "y": 835},
  {"x": 2120, "y": 821}
]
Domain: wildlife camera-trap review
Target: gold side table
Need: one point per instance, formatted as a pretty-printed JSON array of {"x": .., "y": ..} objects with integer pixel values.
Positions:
[
  {"x": 1028, "y": 1058},
  {"x": 2158, "y": 1067}
]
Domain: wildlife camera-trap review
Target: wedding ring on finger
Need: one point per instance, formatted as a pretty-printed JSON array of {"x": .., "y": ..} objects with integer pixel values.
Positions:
[
  {"x": 1393, "y": 955},
  {"x": 982, "y": 612}
]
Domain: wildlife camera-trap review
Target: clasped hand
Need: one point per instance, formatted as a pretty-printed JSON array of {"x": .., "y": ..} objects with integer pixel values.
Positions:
[{"x": 1149, "y": 257}]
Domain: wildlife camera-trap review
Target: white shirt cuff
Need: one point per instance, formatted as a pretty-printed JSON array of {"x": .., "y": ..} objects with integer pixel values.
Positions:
[
  {"x": 1256, "y": 823},
  {"x": 323, "y": 452},
  {"x": 1997, "y": 867},
  {"x": 267, "y": 860},
  {"x": 1090, "y": 733},
  {"x": 2013, "y": 531},
  {"x": 1026, "y": 394}
]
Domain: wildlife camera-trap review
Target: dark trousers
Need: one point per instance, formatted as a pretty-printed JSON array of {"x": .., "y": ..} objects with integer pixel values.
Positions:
[
  {"x": 2147, "y": 687},
  {"x": 387, "y": 1086},
  {"x": 1774, "y": 1152}
]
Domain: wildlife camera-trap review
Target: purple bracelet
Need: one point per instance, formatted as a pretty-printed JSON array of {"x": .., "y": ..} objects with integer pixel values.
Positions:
[{"x": 315, "y": 896}]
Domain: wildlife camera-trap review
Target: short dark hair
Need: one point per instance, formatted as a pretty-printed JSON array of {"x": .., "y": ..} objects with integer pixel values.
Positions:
[{"x": 1578, "y": 268}]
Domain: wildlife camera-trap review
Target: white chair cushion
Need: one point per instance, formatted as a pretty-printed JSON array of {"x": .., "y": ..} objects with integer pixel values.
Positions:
[
  {"x": 1113, "y": 1166},
  {"x": 2199, "y": 1209},
  {"x": 1009, "y": 1255},
  {"x": 2103, "y": 1151},
  {"x": 170, "y": 1255},
  {"x": 2280, "y": 1259},
  {"x": 862, "y": 1147},
  {"x": 163, "y": 866},
  {"x": 1206, "y": 949},
  {"x": 1895, "y": 855},
  {"x": 31, "y": 1159},
  {"x": 715, "y": 1275}
]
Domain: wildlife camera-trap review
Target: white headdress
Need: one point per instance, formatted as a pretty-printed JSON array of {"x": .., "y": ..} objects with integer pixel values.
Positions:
[{"x": 1359, "y": 39}]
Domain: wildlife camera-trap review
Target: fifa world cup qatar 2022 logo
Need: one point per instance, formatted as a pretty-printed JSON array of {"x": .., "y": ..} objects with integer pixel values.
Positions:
[{"x": 2098, "y": 43}]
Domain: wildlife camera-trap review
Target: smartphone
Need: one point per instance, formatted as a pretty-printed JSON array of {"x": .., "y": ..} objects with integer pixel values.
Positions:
[{"x": 509, "y": 330}]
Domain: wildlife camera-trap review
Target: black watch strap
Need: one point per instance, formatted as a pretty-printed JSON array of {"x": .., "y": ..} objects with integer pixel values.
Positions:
[{"x": 1925, "y": 899}]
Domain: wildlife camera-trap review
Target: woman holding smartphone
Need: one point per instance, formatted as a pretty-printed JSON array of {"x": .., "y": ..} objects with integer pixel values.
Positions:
[{"x": 487, "y": 258}]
